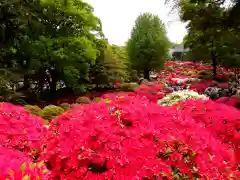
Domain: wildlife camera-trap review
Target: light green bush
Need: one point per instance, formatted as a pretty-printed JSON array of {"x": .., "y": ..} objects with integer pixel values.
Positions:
[
  {"x": 50, "y": 112},
  {"x": 35, "y": 110},
  {"x": 65, "y": 106},
  {"x": 129, "y": 86}
]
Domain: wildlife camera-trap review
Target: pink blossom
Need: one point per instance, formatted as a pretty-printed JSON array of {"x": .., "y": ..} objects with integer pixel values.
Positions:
[{"x": 133, "y": 138}]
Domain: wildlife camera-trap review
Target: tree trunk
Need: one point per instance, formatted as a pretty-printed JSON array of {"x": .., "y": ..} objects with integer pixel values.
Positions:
[
  {"x": 182, "y": 54},
  {"x": 214, "y": 64},
  {"x": 53, "y": 82},
  {"x": 214, "y": 59},
  {"x": 146, "y": 74},
  {"x": 26, "y": 83},
  {"x": 41, "y": 84}
]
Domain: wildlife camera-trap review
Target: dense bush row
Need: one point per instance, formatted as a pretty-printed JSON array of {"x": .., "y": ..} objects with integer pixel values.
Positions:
[{"x": 128, "y": 137}]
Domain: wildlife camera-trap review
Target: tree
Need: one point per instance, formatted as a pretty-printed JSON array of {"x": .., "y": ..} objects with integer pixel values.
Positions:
[
  {"x": 148, "y": 44},
  {"x": 54, "y": 61},
  {"x": 110, "y": 66},
  {"x": 207, "y": 38},
  {"x": 43, "y": 42},
  {"x": 50, "y": 41},
  {"x": 69, "y": 37},
  {"x": 232, "y": 7},
  {"x": 205, "y": 31},
  {"x": 121, "y": 54}
]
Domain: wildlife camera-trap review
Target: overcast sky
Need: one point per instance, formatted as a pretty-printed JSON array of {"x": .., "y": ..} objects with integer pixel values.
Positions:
[{"x": 118, "y": 17}]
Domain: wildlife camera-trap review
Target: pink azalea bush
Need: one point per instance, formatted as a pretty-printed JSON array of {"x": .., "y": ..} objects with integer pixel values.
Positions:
[
  {"x": 20, "y": 130},
  {"x": 231, "y": 101},
  {"x": 131, "y": 138},
  {"x": 222, "y": 120},
  {"x": 17, "y": 166},
  {"x": 127, "y": 136},
  {"x": 152, "y": 91},
  {"x": 201, "y": 86},
  {"x": 223, "y": 85},
  {"x": 180, "y": 69}
]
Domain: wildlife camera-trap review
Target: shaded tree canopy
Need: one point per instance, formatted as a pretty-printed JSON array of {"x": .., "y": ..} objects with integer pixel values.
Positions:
[
  {"x": 44, "y": 42},
  {"x": 208, "y": 38}
]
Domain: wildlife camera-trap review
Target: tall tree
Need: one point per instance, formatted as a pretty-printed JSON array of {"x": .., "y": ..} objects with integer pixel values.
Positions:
[
  {"x": 48, "y": 41},
  {"x": 208, "y": 38},
  {"x": 205, "y": 29},
  {"x": 231, "y": 8},
  {"x": 148, "y": 44}
]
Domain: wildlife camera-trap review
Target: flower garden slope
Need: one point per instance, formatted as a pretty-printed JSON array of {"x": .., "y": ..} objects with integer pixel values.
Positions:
[
  {"x": 17, "y": 166},
  {"x": 130, "y": 139},
  {"x": 19, "y": 129},
  {"x": 222, "y": 120}
]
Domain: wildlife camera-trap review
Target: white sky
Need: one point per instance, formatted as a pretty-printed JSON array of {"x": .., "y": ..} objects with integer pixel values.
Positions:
[{"x": 118, "y": 18}]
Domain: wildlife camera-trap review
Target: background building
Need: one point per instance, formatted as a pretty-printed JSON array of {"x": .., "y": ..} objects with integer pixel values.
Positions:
[{"x": 177, "y": 52}]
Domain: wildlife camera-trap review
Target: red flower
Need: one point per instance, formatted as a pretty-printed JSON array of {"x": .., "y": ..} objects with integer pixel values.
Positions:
[
  {"x": 16, "y": 165},
  {"x": 222, "y": 120},
  {"x": 118, "y": 84},
  {"x": 19, "y": 129},
  {"x": 132, "y": 138}
]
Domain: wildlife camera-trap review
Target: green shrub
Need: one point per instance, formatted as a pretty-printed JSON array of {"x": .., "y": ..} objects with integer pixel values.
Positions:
[
  {"x": 205, "y": 75},
  {"x": 97, "y": 99},
  {"x": 4, "y": 90},
  {"x": 133, "y": 75},
  {"x": 83, "y": 100},
  {"x": 65, "y": 106},
  {"x": 35, "y": 110},
  {"x": 74, "y": 106},
  {"x": 129, "y": 86},
  {"x": 51, "y": 112}
]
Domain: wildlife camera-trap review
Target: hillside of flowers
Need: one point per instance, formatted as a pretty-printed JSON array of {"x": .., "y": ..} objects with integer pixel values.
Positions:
[{"x": 183, "y": 124}]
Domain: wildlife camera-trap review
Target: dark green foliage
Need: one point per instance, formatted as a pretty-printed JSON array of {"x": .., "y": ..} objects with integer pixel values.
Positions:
[
  {"x": 111, "y": 66},
  {"x": 129, "y": 86},
  {"x": 4, "y": 89},
  {"x": 44, "y": 42},
  {"x": 205, "y": 75}
]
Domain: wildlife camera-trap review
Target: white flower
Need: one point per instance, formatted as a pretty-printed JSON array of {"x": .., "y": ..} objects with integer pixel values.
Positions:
[
  {"x": 184, "y": 80},
  {"x": 179, "y": 96}
]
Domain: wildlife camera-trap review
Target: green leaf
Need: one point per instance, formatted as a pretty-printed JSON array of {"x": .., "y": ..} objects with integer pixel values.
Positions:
[{"x": 23, "y": 167}]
